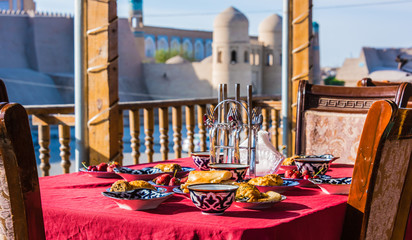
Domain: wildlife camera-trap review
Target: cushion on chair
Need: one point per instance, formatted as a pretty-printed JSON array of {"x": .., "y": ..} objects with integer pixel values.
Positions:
[
  {"x": 6, "y": 221},
  {"x": 332, "y": 133},
  {"x": 389, "y": 182}
]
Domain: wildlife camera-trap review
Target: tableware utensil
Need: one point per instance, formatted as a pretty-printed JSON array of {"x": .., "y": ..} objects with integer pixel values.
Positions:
[
  {"x": 257, "y": 205},
  {"x": 287, "y": 185},
  {"x": 138, "y": 199},
  {"x": 212, "y": 199},
  {"x": 238, "y": 170},
  {"x": 333, "y": 185},
  {"x": 314, "y": 164}
]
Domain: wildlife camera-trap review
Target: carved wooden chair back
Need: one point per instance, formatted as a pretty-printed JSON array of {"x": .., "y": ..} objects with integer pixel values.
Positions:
[
  {"x": 20, "y": 211},
  {"x": 3, "y": 92},
  {"x": 367, "y": 82},
  {"x": 381, "y": 191},
  {"x": 330, "y": 119}
]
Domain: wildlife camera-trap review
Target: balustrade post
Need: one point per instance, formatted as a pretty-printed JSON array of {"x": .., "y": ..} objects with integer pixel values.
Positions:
[
  {"x": 134, "y": 121},
  {"x": 190, "y": 126},
  {"x": 177, "y": 128},
  {"x": 121, "y": 129},
  {"x": 64, "y": 139},
  {"x": 148, "y": 130},
  {"x": 44, "y": 142},
  {"x": 164, "y": 129},
  {"x": 274, "y": 131},
  {"x": 201, "y": 111},
  {"x": 265, "y": 123}
]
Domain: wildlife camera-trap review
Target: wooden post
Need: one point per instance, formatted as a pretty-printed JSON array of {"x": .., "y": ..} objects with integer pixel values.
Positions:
[
  {"x": 102, "y": 75},
  {"x": 301, "y": 53},
  {"x": 148, "y": 130},
  {"x": 64, "y": 139},
  {"x": 134, "y": 122},
  {"x": 164, "y": 129},
  {"x": 201, "y": 110},
  {"x": 177, "y": 128},
  {"x": 44, "y": 142},
  {"x": 190, "y": 126}
]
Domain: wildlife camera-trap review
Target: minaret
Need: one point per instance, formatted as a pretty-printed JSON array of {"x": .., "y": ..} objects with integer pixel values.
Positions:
[
  {"x": 231, "y": 49},
  {"x": 270, "y": 35},
  {"x": 136, "y": 25},
  {"x": 316, "y": 55}
]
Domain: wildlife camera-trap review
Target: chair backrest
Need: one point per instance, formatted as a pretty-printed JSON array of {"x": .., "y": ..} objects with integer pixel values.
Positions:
[
  {"x": 381, "y": 191},
  {"x": 20, "y": 212},
  {"x": 367, "y": 82},
  {"x": 3, "y": 92},
  {"x": 330, "y": 119}
]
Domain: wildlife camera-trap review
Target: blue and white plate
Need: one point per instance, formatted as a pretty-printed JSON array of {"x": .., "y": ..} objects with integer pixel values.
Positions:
[
  {"x": 179, "y": 191},
  {"x": 287, "y": 185},
  {"x": 158, "y": 189},
  {"x": 99, "y": 174},
  {"x": 148, "y": 173},
  {"x": 333, "y": 185},
  {"x": 257, "y": 205},
  {"x": 138, "y": 199}
]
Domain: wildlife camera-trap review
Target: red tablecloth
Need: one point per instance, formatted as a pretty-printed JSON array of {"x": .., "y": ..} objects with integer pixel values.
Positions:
[{"x": 74, "y": 208}]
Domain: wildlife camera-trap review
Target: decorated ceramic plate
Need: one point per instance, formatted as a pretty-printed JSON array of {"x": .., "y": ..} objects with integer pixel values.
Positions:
[
  {"x": 138, "y": 199},
  {"x": 99, "y": 174},
  {"x": 287, "y": 185},
  {"x": 158, "y": 189},
  {"x": 257, "y": 205},
  {"x": 302, "y": 182},
  {"x": 179, "y": 191},
  {"x": 168, "y": 188},
  {"x": 148, "y": 173},
  {"x": 333, "y": 185}
]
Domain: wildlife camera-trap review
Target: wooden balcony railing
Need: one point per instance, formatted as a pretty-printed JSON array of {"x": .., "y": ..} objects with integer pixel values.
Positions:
[{"x": 43, "y": 116}]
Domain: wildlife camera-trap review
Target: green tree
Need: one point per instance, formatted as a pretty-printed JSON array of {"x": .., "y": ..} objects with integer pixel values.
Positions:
[
  {"x": 161, "y": 55},
  {"x": 331, "y": 80}
]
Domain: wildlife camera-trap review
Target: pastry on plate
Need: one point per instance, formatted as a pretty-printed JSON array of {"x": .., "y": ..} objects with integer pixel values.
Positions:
[{"x": 169, "y": 167}]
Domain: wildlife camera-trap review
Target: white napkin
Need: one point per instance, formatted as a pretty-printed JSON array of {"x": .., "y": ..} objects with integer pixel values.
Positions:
[{"x": 268, "y": 159}]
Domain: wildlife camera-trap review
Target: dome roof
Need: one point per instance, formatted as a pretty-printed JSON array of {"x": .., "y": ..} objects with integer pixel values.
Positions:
[
  {"x": 176, "y": 60},
  {"x": 207, "y": 60},
  {"x": 273, "y": 23},
  {"x": 231, "y": 17}
]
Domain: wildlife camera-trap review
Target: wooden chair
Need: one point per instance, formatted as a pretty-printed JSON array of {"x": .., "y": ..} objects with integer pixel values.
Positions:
[
  {"x": 367, "y": 82},
  {"x": 381, "y": 191},
  {"x": 330, "y": 119},
  {"x": 20, "y": 205},
  {"x": 3, "y": 92}
]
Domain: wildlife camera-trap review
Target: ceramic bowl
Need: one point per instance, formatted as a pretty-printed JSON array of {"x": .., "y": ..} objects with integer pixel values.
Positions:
[
  {"x": 238, "y": 170},
  {"x": 333, "y": 185},
  {"x": 202, "y": 160},
  {"x": 212, "y": 199},
  {"x": 315, "y": 164},
  {"x": 287, "y": 185},
  {"x": 139, "y": 199},
  {"x": 257, "y": 205},
  {"x": 148, "y": 173}
]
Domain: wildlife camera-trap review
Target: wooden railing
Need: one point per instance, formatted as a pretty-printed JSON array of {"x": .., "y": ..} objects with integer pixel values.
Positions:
[{"x": 43, "y": 116}]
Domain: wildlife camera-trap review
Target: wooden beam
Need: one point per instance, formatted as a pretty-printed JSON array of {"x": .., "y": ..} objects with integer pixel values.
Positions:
[
  {"x": 301, "y": 52},
  {"x": 102, "y": 74}
]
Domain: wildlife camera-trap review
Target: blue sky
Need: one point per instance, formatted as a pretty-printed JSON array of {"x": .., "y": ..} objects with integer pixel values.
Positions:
[{"x": 345, "y": 26}]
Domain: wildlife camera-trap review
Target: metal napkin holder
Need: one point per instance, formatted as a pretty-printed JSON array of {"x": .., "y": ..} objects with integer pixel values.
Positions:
[{"x": 227, "y": 128}]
